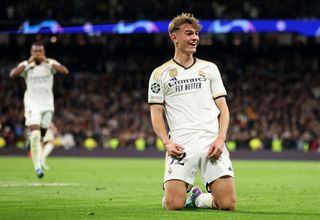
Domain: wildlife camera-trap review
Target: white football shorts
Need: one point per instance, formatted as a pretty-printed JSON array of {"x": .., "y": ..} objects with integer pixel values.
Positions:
[
  {"x": 34, "y": 117},
  {"x": 196, "y": 146}
]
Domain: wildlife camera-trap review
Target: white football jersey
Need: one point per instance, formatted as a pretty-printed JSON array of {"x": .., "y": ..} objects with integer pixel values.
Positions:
[
  {"x": 39, "y": 81},
  {"x": 188, "y": 95}
]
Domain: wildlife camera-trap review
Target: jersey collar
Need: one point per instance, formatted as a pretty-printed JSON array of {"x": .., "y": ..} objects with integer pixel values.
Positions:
[{"x": 185, "y": 68}]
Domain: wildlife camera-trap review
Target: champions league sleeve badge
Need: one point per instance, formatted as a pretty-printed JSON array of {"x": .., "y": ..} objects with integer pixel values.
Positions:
[{"x": 155, "y": 88}]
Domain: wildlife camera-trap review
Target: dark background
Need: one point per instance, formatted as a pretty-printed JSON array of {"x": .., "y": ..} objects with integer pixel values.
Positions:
[{"x": 272, "y": 80}]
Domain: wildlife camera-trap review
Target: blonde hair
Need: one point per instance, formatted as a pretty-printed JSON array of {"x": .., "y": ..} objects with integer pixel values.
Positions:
[{"x": 184, "y": 18}]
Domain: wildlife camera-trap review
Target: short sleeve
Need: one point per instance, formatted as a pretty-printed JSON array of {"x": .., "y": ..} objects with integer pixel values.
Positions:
[
  {"x": 52, "y": 61},
  {"x": 155, "y": 89},
  {"x": 216, "y": 84},
  {"x": 24, "y": 72}
]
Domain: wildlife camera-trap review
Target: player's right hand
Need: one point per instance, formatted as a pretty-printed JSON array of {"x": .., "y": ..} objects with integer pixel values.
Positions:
[{"x": 174, "y": 150}]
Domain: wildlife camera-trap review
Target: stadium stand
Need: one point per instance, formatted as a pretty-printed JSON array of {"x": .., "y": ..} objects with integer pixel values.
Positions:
[
  {"x": 114, "y": 10},
  {"x": 272, "y": 82}
]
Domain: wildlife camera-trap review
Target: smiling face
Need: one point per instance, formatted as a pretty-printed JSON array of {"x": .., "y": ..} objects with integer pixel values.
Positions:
[
  {"x": 185, "y": 39},
  {"x": 184, "y": 32}
]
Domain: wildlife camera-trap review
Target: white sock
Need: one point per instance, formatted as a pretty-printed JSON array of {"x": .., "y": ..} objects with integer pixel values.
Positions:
[
  {"x": 46, "y": 152},
  {"x": 163, "y": 203},
  {"x": 204, "y": 200},
  {"x": 35, "y": 147}
]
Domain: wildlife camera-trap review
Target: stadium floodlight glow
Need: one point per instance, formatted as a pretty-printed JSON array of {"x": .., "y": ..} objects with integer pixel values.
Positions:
[{"x": 309, "y": 28}]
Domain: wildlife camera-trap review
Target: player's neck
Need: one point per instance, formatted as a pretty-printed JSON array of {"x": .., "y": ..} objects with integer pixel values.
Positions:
[{"x": 184, "y": 59}]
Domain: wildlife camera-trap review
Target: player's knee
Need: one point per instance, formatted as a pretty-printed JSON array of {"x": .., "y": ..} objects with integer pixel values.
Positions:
[
  {"x": 172, "y": 204},
  {"x": 227, "y": 204}
]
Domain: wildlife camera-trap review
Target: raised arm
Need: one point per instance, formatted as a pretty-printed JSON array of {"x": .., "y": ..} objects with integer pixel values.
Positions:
[
  {"x": 56, "y": 65},
  {"x": 15, "y": 72},
  {"x": 59, "y": 67}
]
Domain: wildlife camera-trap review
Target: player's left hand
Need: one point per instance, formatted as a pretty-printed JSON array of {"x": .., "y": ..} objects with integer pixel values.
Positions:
[
  {"x": 44, "y": 59},
  {"x": 216, "y": 149}
]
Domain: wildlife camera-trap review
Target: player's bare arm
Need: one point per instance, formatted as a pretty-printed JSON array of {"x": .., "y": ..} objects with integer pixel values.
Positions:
[
  {"x": 60, "y": 68},
  {"x": 157, "y": 120},
  {"x": 216, "y": 149},
  {"x": 56, "y": 66},
  {"x": 15, "y": 72}
]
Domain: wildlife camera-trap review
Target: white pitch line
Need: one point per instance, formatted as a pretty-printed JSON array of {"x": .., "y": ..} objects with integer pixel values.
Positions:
[{"x": 34, "y": 184}]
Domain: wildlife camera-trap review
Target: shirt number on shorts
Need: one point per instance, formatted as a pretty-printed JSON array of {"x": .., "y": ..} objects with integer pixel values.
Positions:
[{"x": 179, "y": 160}]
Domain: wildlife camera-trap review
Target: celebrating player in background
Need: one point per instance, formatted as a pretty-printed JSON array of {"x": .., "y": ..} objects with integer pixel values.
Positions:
[
  {"x": 191, "y": 93},
  {"x": 38, "y": 73}
]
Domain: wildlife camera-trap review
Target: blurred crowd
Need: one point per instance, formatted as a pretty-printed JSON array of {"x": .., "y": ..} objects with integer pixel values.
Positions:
[
  {"x": 115, "y": 10},
  {"x": 273, "y": 86}
]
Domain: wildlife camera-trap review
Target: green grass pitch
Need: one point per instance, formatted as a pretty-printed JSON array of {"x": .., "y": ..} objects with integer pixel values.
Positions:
[{"x": 105, "y": 188}]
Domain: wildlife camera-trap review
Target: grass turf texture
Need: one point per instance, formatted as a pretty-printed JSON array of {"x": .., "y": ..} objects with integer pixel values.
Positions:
[{"x": 103, "y": 188}]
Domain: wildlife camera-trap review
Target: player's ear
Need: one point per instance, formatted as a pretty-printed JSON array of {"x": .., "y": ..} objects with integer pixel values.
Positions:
[{"x": 173, "y": 37}]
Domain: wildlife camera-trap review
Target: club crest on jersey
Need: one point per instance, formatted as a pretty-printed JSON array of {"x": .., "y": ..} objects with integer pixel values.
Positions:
[
  {"x": 202, "y": 74},
  {"x": 173, "y": 72}
]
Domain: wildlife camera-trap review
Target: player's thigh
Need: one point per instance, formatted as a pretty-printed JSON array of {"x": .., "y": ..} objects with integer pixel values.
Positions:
[
  {"x": 33, "y": 118},
  {"x": 212, "y": 170},
  {"x": 175, "y": 194},
  {"x": 224, "y": 192},
  {"x": 46, "y": 118},
  {"x": 185, "y": 167}
]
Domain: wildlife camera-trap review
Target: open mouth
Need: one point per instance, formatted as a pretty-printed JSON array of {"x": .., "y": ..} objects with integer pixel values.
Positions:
[{"x": 194, "y": 44}]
